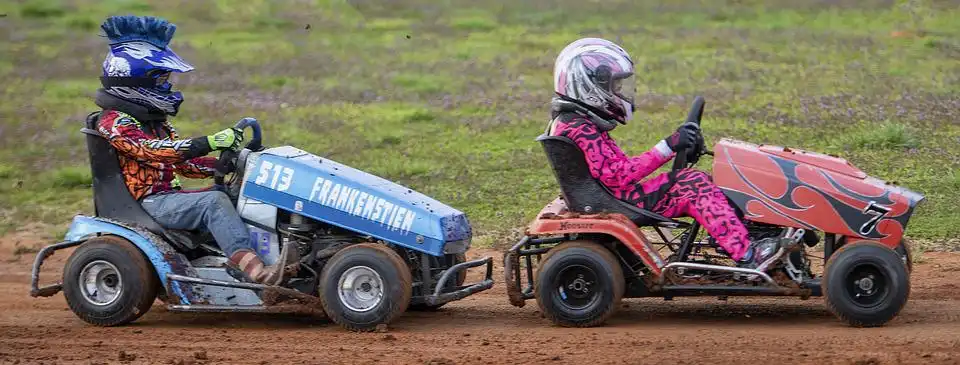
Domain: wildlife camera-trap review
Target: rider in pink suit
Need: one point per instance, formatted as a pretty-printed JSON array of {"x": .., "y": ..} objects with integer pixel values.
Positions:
[{"x": 594, "y": 85}]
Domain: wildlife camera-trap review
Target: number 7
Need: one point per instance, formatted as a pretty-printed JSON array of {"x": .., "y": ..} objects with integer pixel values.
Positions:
[{"x": 878, "y": 212}]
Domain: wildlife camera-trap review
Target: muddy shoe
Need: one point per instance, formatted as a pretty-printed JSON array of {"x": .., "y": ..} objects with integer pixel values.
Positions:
[
  {"x": 290, "y": 259},
  {"x": 759, "y": 252},
  {"x": 251, "y": 266}
]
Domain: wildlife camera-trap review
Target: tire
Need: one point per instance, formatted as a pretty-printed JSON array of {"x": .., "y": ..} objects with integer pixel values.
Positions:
[
  {"x": 866, "y": 305},
  {"x": 903, "y": 249},
  {"x": 119, "y": 272},
  {"x": 461, "y": 278},
  {"x": 373, "y": 267},
  {"x": 570, "y": 265}
]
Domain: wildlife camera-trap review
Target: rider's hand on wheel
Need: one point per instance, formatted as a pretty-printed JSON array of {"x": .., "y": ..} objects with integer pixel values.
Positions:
[
  {"x": 688, "y": 135},
  {"x": 227, "y": 139},
  {"x": 693, "y": 154}
]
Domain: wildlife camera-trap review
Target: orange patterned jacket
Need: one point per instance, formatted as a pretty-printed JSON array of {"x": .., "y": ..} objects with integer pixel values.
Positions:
[{"x": 150, "y": 157}]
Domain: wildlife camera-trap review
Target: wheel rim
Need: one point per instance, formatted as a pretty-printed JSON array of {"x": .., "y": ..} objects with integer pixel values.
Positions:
[
  {"x": 360, "y": 289},
  {"x": 101, "y": 283},
  {"x": 577, "y": 287},
  {"x": 867, "y": 286}
]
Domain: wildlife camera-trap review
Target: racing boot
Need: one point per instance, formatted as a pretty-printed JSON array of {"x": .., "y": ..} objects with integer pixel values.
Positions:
[
  {"x": 759, "y": 252},
  {"x": 253, "y": 269}
]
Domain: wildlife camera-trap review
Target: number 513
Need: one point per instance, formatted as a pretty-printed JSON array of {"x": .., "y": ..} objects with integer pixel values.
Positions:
[{"x": 279, "y": 176}]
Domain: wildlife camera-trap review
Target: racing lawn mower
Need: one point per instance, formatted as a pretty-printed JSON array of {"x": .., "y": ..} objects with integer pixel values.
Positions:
[
  {"x": 369, "y": 248},
  {"x": 589, "y": 251}
]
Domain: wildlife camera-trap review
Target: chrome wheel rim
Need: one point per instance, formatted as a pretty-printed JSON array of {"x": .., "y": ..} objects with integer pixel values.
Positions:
[
  {"x": 101, "y": 283},
  {"x": 360, "y": 289}
]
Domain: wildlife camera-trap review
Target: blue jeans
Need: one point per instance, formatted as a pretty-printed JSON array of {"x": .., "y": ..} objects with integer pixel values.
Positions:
[{"x": 204, "y": 211}]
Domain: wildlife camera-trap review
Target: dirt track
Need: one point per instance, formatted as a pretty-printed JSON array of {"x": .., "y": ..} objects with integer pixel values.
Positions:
[{"x": 486, "y": 329}]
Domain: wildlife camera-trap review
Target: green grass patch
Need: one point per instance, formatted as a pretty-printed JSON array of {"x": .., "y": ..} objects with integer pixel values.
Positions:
[
  {"x": 388, "y": 24},
  {"x": 452, "y": 109},
  {"x": 40, "y": 9},
  {"x": 473, "y": 23},
  {"x": 70, "y": 177},
  {"x": 885, "y": 135},
  {"x": 424, "y": 83},
  {"x": 7, "y": 171}
]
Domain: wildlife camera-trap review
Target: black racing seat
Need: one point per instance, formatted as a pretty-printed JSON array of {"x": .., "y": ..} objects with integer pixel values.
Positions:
[
  {"x": 583, "y": 193},
  {"x": 112, "y": 199}
]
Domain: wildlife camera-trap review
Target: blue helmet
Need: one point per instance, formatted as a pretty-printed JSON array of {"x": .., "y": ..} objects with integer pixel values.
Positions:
[{"x": 139, "y": 63}]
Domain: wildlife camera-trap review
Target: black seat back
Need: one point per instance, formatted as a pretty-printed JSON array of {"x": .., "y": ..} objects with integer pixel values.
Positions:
[
  {"x": 581, "y": 191},
  {"x": 111, "y": 198}
]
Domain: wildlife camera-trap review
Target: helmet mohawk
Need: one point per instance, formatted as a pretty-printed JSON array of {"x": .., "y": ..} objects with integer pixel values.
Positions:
[{"x": 127, "y": 28}]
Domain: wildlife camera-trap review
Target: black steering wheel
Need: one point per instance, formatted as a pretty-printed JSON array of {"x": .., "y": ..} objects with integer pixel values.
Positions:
[
  {"x": 227, "y": 163},
  {"x": 695, "y": 115}
]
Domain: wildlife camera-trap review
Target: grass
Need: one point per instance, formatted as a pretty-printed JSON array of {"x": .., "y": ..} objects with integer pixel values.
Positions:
[
  {"x": 447, "y": 96},
  {"x": 882, "y": 136},
  {"x": 22, "y": 250}
]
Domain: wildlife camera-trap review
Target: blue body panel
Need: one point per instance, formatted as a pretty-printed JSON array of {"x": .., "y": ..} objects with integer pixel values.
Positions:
[
  {"x": 161, "y": 255},
  {"x": 337, "y": 194}
]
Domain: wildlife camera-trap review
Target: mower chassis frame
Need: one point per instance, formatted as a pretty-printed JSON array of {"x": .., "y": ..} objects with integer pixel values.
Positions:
[
  {"x": 438, "y": 297},
  {"x": 530, "y": 246}
]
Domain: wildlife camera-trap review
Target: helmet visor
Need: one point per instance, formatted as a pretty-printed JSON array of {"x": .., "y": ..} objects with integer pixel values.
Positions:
[
  {"x": 162, "y": 79},
  {"x": 624, "y": 86}
]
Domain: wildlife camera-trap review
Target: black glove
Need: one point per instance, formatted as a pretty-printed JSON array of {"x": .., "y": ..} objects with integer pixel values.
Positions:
[
  {"x": 686, "y": 136},
  {"x": 693, "y": 154}
]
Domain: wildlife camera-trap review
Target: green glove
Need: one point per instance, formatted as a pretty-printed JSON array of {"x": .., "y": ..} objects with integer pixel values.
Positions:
[{"x": 227, "y": 139}]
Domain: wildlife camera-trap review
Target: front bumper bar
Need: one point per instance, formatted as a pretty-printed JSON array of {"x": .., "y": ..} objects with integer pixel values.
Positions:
[
  {"x": 439, "y": 297},
  {"x": 49, "y": 290},
  {"x": 513, "y": 272}
]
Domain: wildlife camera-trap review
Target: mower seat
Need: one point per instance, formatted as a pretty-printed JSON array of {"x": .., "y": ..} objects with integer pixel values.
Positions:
[
  {"x": 583, "y": 193},
  {"x": 112, "y": 199}
]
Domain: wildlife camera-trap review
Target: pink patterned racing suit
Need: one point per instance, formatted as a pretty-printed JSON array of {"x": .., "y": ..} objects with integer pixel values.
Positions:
[{"x": 689, "y": 192}]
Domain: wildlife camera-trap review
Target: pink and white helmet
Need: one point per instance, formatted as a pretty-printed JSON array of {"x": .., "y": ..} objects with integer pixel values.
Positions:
[{"x": 598, "y": 74}]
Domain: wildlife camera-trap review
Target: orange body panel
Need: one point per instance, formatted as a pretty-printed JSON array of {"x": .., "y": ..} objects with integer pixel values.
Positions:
[
  {"x": 795, "y": 188},
  {"x": 555, "y": 219}
]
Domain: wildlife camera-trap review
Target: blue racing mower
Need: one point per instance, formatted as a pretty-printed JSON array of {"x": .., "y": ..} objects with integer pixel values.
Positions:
[{"x": 370, "y": 248}]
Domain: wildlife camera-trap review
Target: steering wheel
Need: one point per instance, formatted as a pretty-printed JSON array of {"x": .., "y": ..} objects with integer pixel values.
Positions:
[
  {"x": 694, "y": 116},
  {"x": 227, "y": 163}
]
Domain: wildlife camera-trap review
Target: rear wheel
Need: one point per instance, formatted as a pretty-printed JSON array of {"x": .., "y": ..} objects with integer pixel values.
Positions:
[
  {"x": 579, "y": 284},
  {"x": 866, "y": 284},
  {"x": 365, "y": 285},
  {"x": 108, "y": 282}
]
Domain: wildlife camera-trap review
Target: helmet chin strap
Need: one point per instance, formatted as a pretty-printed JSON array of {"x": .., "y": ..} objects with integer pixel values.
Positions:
[
  {"x": 559, "y": 105},
  {"x": 140, "y": 112}
]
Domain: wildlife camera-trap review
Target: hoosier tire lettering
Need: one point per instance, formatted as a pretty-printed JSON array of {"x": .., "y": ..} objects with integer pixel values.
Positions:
[{"x": 571, "y": 226}]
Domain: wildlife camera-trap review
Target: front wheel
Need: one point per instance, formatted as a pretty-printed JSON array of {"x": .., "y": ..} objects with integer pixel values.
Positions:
[
  {"x": 579, "y": 284},
  {"x": 365, "y": 285},
  {"x": 108, "y": 282},
  {"x": 866, "y": 284}
]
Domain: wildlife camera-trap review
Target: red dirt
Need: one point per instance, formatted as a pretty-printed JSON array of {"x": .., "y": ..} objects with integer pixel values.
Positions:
[{"x": 486, "y": 329}]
